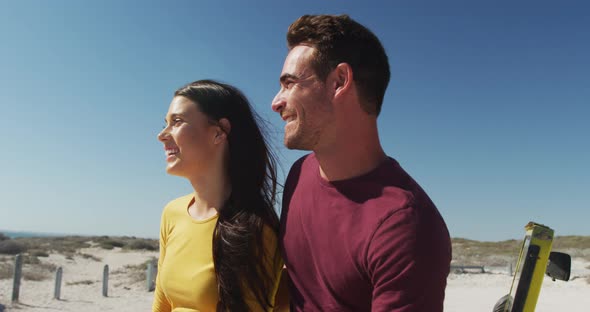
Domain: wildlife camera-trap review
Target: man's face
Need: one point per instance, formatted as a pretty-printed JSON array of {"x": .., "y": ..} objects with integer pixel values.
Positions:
[{"x": 303, "y": 101}]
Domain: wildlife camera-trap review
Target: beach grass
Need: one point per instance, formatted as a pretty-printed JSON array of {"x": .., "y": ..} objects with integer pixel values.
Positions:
[
  {"x": 6, "y": 270},
  {"x": 472, "y": 252},
  {"x": 70, "y": 245},
  {"x": 82, "y": 282},
  {"x": 33, "y": 269},
  {"x": 35, "y": 249}
]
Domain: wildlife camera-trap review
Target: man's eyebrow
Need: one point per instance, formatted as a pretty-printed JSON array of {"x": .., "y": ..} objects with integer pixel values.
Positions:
[{"x": 285, "y": 77}]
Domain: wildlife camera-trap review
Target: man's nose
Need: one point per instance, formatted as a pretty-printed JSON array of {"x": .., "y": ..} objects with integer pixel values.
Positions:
[{"x": 278, "y": 103}]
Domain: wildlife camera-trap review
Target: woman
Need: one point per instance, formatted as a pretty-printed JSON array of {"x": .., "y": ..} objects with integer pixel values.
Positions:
[{"x": 218, "y": 246}]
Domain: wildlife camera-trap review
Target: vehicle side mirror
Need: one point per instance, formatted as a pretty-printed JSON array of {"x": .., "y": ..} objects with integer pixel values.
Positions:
[{"x": 559, "y": 266}]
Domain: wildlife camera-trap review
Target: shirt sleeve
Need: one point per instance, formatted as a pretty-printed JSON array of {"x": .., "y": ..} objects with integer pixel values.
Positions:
[
  {"x": 161, "y": 303},
  {"x": 397, "y": 266}
]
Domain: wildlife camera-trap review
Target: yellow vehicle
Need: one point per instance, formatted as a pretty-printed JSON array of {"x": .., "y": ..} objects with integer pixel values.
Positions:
[{"x": 535, "y": 260}]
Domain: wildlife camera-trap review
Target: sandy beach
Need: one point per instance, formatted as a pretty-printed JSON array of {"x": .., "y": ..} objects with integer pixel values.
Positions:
[
  {"x": 480, "y": 292},
  {"x": 82, "y": 286}
]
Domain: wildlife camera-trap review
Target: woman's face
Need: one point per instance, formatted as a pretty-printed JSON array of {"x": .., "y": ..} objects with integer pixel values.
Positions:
[{"x": 189, "y": 139}]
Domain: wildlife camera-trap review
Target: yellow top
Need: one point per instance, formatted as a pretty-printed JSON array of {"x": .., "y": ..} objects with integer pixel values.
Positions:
[{"x": 186, "y": 277}]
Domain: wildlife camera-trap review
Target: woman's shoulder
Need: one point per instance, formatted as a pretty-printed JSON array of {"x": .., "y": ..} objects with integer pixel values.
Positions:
[
  {"x": 268, "y": 232},
  {"x": 180, "y": 203},
  {"x": 270, "y": 239}
]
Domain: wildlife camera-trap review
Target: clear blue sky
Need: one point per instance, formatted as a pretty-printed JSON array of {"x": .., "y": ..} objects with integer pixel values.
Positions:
[{"x": 488, "y": 106}]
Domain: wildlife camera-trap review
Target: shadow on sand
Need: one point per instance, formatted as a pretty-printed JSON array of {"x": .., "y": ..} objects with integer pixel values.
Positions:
[{"x": 19, "y": 305}]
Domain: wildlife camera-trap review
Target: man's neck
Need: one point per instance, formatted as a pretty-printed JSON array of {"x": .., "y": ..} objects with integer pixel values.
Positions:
[{"x": 353, "y": 154}]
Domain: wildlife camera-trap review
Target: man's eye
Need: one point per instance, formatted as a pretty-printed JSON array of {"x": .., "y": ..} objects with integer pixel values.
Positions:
[{"x": 176, "y": 121}]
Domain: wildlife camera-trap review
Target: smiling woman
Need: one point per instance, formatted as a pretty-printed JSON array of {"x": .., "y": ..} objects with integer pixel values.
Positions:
[
  {"x": 191, "y": 132},
  {"x": 218, "y": 246}
]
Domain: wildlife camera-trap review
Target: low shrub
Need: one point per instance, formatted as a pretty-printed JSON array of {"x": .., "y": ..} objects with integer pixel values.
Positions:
[
  {"x": 6, "y": 270},
  {"x": 143, "y": 244},
  {"x": 36, "y": 274},
  {"x": 89, "y": 256},
  {"x": 111, "y": 243},
  {"x": 39, "y": 253},
  {"x": 84, "y": 282},
  {"x": 3, "y": 237},
  {"x": 11, "y": 247},
  {"x": 31, "y": 260}
]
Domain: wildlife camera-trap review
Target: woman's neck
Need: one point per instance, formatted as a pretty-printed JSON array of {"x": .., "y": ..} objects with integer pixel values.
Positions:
[{"x": 211, "y": 192}]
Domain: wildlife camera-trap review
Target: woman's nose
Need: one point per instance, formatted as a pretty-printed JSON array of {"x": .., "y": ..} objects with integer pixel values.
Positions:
[{"x": 163, "y": 135}]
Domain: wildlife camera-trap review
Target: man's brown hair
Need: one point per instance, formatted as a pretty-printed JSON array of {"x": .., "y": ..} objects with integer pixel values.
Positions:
[{"x": 339, "y": 39}]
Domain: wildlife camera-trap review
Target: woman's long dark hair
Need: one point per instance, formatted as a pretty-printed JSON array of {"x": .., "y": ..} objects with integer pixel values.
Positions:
[{"x": 240, "y": 259}]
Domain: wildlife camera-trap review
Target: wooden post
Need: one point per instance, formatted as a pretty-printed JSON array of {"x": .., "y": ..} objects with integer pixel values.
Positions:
[
  {"x": 18, "y": 270},
  {"x": 57, "y": 291},
  {"x": 150, "y": 276},
  {"x": 510, "y": 268},
  {"x": 105, "y": 281}
]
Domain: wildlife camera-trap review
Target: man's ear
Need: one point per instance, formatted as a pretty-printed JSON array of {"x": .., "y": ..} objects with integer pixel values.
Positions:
[
  {"x": 341, "y": 79},
  {"x": 223, "y": 130}
]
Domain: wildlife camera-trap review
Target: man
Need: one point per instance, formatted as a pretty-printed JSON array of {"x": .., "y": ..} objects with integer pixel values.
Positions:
[{"x": 357, "y": 232}]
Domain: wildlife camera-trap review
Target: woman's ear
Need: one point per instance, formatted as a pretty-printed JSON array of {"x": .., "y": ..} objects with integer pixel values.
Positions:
[{"x": 223, "y": 130}]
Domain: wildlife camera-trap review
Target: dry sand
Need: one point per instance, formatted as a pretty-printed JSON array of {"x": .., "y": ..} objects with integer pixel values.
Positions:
[
  {"x": 480, "y": 292},
  {"x": 465, "y": 292},
  {"x": 124, "y": 294}
]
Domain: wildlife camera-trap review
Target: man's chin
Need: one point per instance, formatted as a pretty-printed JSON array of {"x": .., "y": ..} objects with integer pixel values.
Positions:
[{"x": 294, "y": 144}]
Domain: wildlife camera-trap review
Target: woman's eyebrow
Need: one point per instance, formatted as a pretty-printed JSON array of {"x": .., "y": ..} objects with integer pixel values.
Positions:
[
  {"x": 169, "y": 117},
  {"x": 172, "y": 116}
]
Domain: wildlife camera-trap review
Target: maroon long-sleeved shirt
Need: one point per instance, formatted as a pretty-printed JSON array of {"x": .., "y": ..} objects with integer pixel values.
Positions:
[{"x": 370, "y": 243}]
